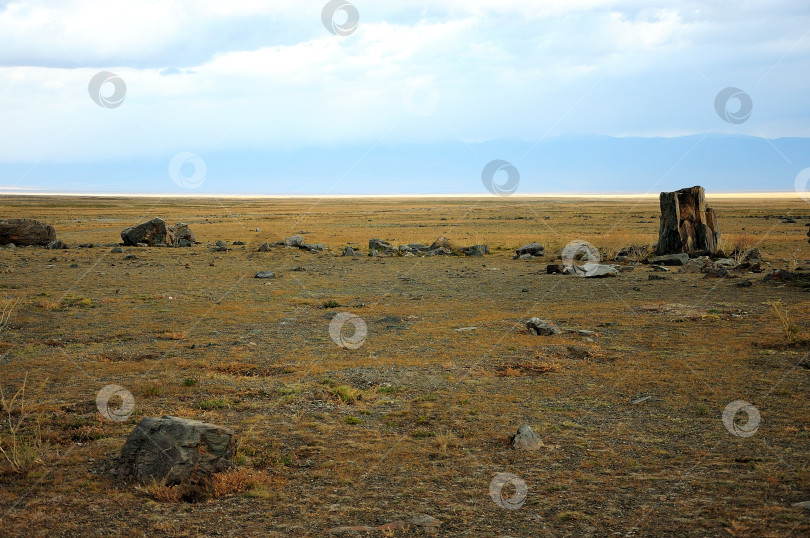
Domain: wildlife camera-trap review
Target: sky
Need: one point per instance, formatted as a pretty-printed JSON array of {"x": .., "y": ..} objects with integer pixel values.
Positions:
[{"x": 285, "y": 97}]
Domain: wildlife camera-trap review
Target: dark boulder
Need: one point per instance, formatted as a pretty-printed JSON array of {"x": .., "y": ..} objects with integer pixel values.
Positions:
[
  {"x": 24, "y": 232},
  {"x": 171, "y": 449},
  {"x": 152, "y": 233}
]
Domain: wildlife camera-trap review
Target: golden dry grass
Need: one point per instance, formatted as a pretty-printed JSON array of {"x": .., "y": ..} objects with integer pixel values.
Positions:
[{"x": 417, "y": 419}]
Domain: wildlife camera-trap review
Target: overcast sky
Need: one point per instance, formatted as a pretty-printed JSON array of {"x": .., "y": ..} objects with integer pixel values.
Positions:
[{"x": 205, "y": 75}]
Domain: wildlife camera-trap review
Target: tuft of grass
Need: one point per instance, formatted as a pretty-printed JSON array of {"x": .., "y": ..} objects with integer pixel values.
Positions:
[
  {"x": 331, "y": 303},
  {"x": 20, "y": 451},
  {"x": 352, "y": 420},
  {"x": 783, "y": 313},
  {"x": 152, "y": 391},
  {"x": 167, "y": 335},
  {"x": 79, "y": 302},
  {"x": 217, "y": 403},
  {"x": 190, "y": 382}
]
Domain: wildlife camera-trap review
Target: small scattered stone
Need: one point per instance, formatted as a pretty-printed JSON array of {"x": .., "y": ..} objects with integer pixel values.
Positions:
[
  {"x": 525, "y": 439},
  {"x": 599, "y": 271},
  {"x": 556, "y": 268},
  {"x": 348, "y": 251},
  {"x": 117, "y": 250},
  {"x": 57, "y": 244},
  {"x": 542, "y": 327},
  {"x": 379, "y": 244},
  {"x": 264, "y": 247},
  {"x": 265, "y": 274},
  {"x": 130, "y": 257},
  {"x": 294, "y": 241},
  {"x": 238, "y": 243},
  {"x": 653, "y": 276},
  {"x": 744, "y": 284},
  {"x": 671, "y": 259},
  {"x": 533, "y": 249},
  {"x": 476, "y": 250}
]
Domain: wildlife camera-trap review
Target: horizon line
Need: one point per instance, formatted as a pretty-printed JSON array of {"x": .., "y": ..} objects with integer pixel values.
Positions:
[{"x": 716, "y": 194}]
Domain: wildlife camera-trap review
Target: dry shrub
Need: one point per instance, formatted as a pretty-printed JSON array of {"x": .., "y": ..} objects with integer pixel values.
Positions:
[
  {"x": 203, "y": 488},
  {"x": 167, "y": 335}
]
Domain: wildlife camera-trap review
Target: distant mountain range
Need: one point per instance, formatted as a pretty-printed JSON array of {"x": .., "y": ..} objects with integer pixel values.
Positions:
[{"x": 570, "y": 164}]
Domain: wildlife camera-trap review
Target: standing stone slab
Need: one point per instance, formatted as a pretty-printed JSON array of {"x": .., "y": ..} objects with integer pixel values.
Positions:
[
  {"x": 169, "y": 449},
  {"x": 686, "y": 225},
  {"x": 23, "y": 232}
]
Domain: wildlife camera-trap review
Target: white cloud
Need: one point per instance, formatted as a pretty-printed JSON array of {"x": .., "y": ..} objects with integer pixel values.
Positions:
[{"x": 268, "y": 74}]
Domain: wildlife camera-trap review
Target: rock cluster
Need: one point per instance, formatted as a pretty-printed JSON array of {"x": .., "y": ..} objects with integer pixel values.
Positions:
[
  {"x": 297, "y": 241},
  {"x": 440, "y": 247},
  {"x": 156, "y": 233}
]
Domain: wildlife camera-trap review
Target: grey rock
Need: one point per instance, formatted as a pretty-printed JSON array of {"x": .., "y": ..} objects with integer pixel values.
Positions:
[
  {"x": 171, "y": 449},
  {"x": 744, "y": 284},
  {"x": 317, "y": 247},
  {"x": 476, "y": 250},
  {"x": 24, "y": 232},
  {"x": 379, "y": 244},
  {"x": 182, "y": 236},
  {"x": 755, "y": 254},
  {"x": 117, "y": 250},
  {"x": 660, "y": 268},
  {"x": 525, "y": 439},
  {"x": 348, "y": 251},
  {"x": 294, "y": 241},
  {"x": 671, "y": 259},
  {"x": 441, "y": 242},
  {"x": 264, "y": 247},
  {"x": 716, "y": 272},
  {"x": 265, "y": 274},
  {"x": 725, "y": 262},
  {"x": 802, "y": 504},
  {"x": 556, "y": 268},
  {"x": 653, "y": 276},
  {"x": 141, "y": 245},
  {"x": 57, "y": 244},
  {"x": 594, "y": 270},
  {"x": 417, "y": 247},
  {"x": 238, "y": 243},
  {"x": 221, "y": 243},
  {"x": 151, "y": 233},
  {"x": 700, "y": 264},
  {"x": 130, "y": 257},
  {"x": 441, "y": 251},
  {"x": 534, "y": 249},
  {"x": 542, "y": 327}
]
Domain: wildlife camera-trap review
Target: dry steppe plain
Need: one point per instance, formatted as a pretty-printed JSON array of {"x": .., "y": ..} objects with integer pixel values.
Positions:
[{"x": 415, "y": 421}]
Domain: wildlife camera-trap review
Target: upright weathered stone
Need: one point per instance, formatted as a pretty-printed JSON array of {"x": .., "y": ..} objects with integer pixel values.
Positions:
[
  {"x": 23, "y": 232},
  {"x": 687, "y": 225},
  {"x": 182, "y": 236},
  {"x": 153, "y": 233},
  {"x": 170, "y": 449}
]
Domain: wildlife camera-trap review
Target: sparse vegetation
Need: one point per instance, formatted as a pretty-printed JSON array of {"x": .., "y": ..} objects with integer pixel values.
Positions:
[{"x": 417, "y": 419}]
